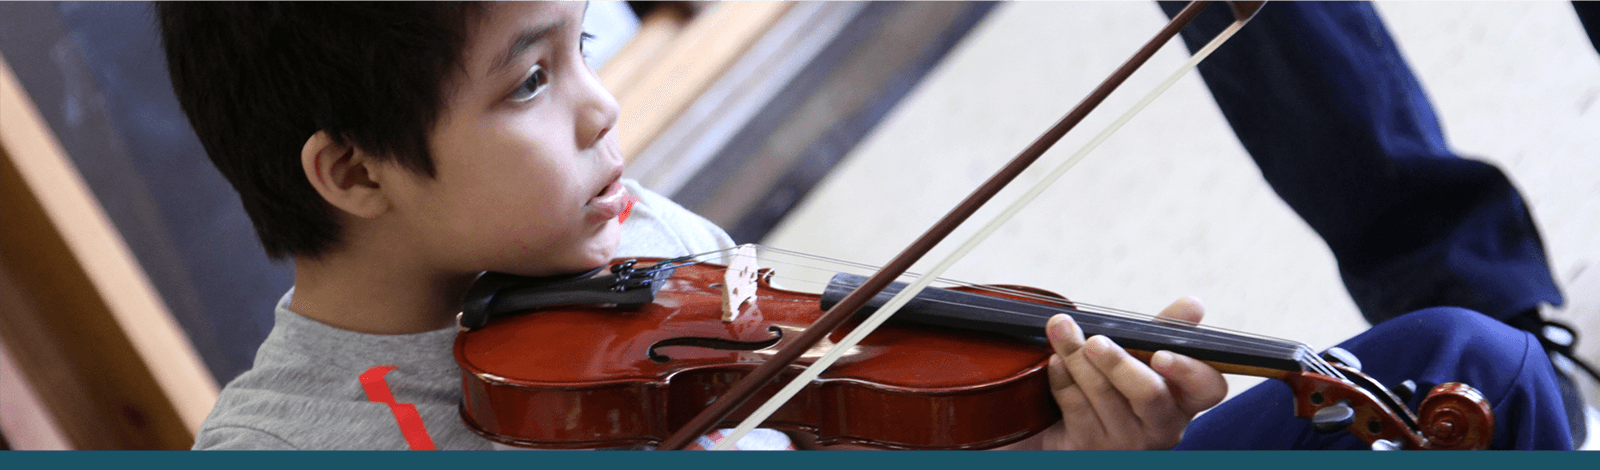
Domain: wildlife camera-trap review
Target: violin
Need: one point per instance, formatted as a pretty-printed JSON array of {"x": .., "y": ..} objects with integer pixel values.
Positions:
[{"x": 624, "y": 356}]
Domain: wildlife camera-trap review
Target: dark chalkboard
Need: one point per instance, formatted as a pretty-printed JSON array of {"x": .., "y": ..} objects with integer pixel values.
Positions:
[{"x": 97, "y": 74}]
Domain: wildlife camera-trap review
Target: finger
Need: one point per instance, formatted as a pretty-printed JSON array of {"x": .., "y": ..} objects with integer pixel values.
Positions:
[
  {"x": 1076, "y": 412},
  {"x": 1060, "y": 378},
  {"x": 1065, "y": 335},
  {"x": 1109, "y": 404},
  {"x": 1146, "y": 392},
  {"x": 1195, "y": 385},
  {"x": 1187, "y": 309},
  {"x": 1065, "y": 338}
]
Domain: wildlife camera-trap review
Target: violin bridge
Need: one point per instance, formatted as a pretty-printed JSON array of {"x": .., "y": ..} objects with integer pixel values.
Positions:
[{"x": 739, "y": 282}]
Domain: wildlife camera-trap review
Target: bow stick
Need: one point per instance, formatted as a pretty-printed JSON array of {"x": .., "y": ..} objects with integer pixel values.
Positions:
[{"x": 847, "y": 307}]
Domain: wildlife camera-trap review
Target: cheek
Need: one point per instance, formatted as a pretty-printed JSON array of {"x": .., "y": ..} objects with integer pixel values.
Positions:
[
  {"x": 530, "y": 214},
  {"x": 519, "y": 201},
  {"x": 534, "y": 216}
]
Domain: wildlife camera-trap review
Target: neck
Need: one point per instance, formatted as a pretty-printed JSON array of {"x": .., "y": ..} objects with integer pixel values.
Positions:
[
  {"x": 377, "y": 293},
  {"x": 1228, "y": 352}
]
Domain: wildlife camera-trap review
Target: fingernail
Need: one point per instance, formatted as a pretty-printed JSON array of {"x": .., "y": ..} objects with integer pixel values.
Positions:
[{"x": 1057, "y": 327}]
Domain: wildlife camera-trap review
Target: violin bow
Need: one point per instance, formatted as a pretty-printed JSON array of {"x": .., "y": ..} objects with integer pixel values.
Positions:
[{"x": 846, "y": 308}]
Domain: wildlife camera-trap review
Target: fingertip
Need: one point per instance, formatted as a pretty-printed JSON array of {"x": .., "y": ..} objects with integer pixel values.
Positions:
[
  {"x": 1174, "y": 366},
  {"x": 1059, "y": 327},
  {"x": 1099, "y": 345},
  {"x": 1198, "y": 385},
  {"x": 1187, "y": 309},
  {"x": 1161, "y": 361},
  {"x": 1197, "y": 308}
]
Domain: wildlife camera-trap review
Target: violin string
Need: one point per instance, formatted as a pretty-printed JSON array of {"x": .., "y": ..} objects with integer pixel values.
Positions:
[
  {"x": 1161, "y": 331},
  {"x": 996, "y": 289},
  {"x": 1303, "y": 354},
  {"x": 1261, "y": 345},
  {"x": 1163, "y": 328},
  {"x": 1157, "y": 327},
  {"x": 1323, "y": 364},
  {"x": 1187, "y": 329}
]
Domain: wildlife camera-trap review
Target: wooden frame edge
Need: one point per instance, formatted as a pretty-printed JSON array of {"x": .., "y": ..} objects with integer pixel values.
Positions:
[
  {"x": 104, "y": 256},
  {"x": 652, "y": 98}
]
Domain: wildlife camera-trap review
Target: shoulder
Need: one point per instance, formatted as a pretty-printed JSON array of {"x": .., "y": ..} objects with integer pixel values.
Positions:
[
  {"x": 281, "y": 408},
  {"x": 285, "y": 409},
  {"x": 305, "y": 391},
  {"x": 659, "y": 227}
]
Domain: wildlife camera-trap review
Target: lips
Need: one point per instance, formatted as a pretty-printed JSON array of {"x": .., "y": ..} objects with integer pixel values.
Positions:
[{"x": 610, "y": 202}]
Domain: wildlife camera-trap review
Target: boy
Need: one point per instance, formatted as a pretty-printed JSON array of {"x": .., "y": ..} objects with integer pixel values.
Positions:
[{"x": 395, "y": 151}]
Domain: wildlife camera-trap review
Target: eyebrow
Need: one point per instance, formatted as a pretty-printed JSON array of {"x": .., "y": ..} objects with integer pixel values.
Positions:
[{"x": 525, "y": 41}]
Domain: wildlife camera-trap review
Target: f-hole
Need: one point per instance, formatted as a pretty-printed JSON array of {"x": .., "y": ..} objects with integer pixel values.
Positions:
[{"x": 714, "y": 343}]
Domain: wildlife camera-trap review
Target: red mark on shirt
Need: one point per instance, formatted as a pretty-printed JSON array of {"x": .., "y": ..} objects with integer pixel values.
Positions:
[
  {"x": 404, "y": 413},
  {"x": 627, "y": 209}
]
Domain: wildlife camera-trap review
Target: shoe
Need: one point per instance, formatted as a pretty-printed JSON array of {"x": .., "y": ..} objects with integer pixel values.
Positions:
[{"x": 1558, "y": 340}]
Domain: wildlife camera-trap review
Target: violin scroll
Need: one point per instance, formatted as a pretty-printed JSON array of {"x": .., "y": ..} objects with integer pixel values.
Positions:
[{"x": 1455, "y": 416}]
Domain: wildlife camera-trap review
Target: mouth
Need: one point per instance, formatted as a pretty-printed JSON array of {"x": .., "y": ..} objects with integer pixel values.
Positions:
[{"x": 610, "y": 201}]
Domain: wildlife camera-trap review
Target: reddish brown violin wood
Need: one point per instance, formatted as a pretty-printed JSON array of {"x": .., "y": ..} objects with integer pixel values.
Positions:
[
  {"x": 569, "y": 378},
  {"x": 581, "y": 378},
  {"x": 1372, "y": 420},
  {"x": 1456, "y": 417}
]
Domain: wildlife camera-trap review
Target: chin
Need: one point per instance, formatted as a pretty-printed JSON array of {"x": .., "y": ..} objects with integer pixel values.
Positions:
[
  {"x": 573, "y": 255},
  {"x": 602, "y": 248}
]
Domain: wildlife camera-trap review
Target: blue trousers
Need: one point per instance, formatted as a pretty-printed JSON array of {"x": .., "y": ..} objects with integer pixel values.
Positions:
[
  {"x": 1431, "y": 347},
  {"x": 1342, "y": 131},
  {"x": 1340, "y": 128}
]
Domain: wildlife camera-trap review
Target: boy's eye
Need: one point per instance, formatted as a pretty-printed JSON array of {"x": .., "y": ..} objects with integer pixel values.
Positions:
[
  {"x": 537, "y": 80},
  {"x": 583, "y": 42}
]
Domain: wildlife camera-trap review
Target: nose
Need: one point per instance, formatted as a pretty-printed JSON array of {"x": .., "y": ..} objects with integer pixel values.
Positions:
[{"x": 597, "y": 109}]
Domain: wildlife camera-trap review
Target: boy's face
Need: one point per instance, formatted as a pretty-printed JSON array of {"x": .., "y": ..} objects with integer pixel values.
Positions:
[{"x": 527, "y": 163}]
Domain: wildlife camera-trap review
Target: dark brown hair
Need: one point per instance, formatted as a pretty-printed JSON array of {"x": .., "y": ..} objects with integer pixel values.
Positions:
[{"x": 258, "y": 79}]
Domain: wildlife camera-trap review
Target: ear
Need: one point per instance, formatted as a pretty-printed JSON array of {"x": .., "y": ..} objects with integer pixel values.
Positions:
[{"x": 344, "y": 176}]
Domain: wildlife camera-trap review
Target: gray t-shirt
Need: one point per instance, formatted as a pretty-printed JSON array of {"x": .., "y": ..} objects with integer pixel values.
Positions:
[{"x": 304, "y": 392}]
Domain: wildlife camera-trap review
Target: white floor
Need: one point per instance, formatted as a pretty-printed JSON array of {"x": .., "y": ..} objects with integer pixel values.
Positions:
[{"x": 1172, "y": 206}]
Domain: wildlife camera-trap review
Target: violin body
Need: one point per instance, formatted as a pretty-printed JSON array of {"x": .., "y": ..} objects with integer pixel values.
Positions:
[
  {"x": 627, "y": 359},
  {"x": 597, "y": 377}
]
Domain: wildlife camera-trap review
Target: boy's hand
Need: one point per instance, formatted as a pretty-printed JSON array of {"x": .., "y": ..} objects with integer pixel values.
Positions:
[{"x": 1110, "y": 400}]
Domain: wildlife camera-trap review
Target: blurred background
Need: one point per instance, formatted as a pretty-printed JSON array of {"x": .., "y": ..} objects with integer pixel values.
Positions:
[{"x": 132, "y": 285}]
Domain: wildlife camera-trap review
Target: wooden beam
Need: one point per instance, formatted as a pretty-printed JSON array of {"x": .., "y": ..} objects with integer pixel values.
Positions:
[
  {"x": 82, "y": 302},
  {"x": 683, "y": 69},
  {"x": 24, "y": 418},
  {"x": 656, "y": 32}
]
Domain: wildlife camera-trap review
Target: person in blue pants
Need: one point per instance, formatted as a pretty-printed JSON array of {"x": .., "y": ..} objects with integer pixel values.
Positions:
[
  {"x": 1429, "y": 347},
  {"x": 1322, "y": 99}
]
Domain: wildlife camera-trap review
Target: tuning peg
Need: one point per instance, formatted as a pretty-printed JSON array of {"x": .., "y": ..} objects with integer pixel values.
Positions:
[
  {"x": 1342, "y": 356},
  {"x": 1385, "y": 444},
  {"x": 1334, "y": 418},
  {"x": 1405, "y": 390}
]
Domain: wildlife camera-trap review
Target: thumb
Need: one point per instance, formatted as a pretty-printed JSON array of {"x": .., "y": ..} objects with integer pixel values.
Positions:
[{"x": 1195, "y": 385}]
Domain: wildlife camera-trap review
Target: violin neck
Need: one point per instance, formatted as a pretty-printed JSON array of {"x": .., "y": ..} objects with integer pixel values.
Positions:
[{"x": 1025, "y": 320}]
